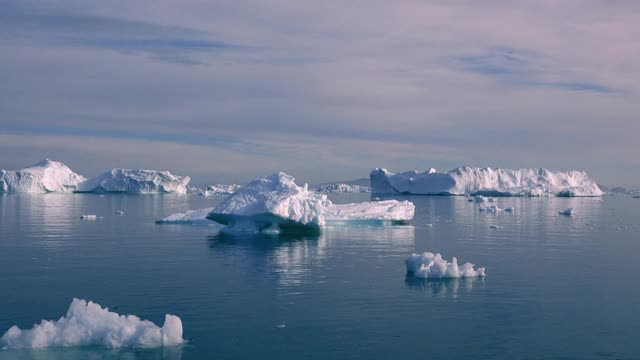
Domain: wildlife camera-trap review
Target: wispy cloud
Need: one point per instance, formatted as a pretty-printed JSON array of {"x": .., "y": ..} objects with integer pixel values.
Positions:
[{"x": 525, "y": 68}]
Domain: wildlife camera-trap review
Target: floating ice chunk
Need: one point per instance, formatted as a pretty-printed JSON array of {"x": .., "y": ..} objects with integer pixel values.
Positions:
[
  {"x": 432, "y": 266},
  {"x": 491, "y": 199},
  {"x": 88, "y": 324},
  {"x": 497, "y": 227},
  {"x": 389, "y": 210},
  {"x": 119, "y": 212},
  {"x": 485, "y": 181},
  {"x": 45, "y": 176},
  {"x": 135, "y": 182},
  {"x": 274, "y": 202},
  {"x": 343, "y": 188},
  {"x": 479, "y": 199},
  {"x": 491, "y": 208},
  {"x": 509, "y": 209},
  {"x": 198, "y": 216},
  {"x": 88, "y": 217},
  {"x": 567, "y": 211},
  {"x": 221, "y": 189}
]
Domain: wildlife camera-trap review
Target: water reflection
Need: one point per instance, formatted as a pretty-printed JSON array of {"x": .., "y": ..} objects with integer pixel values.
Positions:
[
  {"x": 442, "y": 287},
  {"x": 169, "y": 353}
]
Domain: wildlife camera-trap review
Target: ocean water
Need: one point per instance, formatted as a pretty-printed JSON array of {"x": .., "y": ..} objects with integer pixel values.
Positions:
[{"x": 556, "y": 286}]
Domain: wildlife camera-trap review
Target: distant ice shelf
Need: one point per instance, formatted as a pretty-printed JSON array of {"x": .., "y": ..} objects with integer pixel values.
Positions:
[
  {"x": 485, "y": 181},
  {"x": 89, "y": 324},
  {"x": 43, "y": 177},
  {"x": 135, "y": 182}
]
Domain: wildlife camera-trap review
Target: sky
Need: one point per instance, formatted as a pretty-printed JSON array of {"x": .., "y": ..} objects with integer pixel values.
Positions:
[{"x": 225, "y": 91}]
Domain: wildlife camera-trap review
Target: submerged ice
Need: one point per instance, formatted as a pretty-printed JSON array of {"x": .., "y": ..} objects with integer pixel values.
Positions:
[
  {"x": 43, "y": 177},
  {"x": 135, "y": 182},
  {"x": 89, "y": 324},
  {"x": 433, "y": 266},
  {"x": 485, "y": 181}
]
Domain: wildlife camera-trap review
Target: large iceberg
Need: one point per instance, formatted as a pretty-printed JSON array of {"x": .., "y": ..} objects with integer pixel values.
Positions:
[
  {"x": 394, "y": 211},
  {"x": 135, "y": 182},
  {"x": 433, "y": 266},
  {"x": 45, "y": 176},
  {"x": 272, "y": 203},
  {"x": 485, "y": 181},
  {"x": 88, "y": 324}
]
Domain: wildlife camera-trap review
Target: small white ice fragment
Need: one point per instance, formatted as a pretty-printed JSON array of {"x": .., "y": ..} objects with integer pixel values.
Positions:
[
  {"x": 567, "y": 211},
  {"x": 119, "y": 212},
  {"x": 433, "y": 266},
  {"x": 497, "y": 227},
  {"x": 88, "y": 217}
]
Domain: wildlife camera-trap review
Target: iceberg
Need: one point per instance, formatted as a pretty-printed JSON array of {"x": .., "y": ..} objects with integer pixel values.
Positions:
[
  {"x": 89, "y": 324},
  {"x": 272, "y": 203},
  {"x": 343, "y": 188},
  {"x": 43, "y": 177},
  {"x": 394, "y": 211},
  {"x": 135, "y": 182},
  {"x": 433, "y": 266},
  {"x": 567, "y": 211},
  {"x": 485, "y": 181},
  {"x": 192, "y": 217},
  {"x": 492, "y": 208}
]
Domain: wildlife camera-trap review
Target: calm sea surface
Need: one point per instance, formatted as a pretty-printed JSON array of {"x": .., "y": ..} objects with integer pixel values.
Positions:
[{"x": 556, "y": 286}]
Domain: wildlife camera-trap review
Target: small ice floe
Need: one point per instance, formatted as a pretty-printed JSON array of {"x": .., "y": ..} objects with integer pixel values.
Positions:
[
  {"x": 567, "y": 211},
  {"x": 479, "y": 199},
  {"x": 88, "y": 217},
  {"x": 497, "y": 227},
  {"x": 89, "y": 324},
  {"x": 281, "y": 326},
  {"x": 429, "y": 225},
  {"x": 191, "y": 217},
  {"x": 470, "y": 199},
  {"x": 119, "y": 212},
  {"x": 491, "y": 208},
  {"x": 509, "y": 209},
  {"x": 433, "y": 266},
  {"x": 491, "y": 199}
]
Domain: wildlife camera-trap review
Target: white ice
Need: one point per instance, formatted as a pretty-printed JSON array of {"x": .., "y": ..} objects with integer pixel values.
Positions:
[
  {"x": 198, "y": 216},
  {"x": 387, "y": 210},
  {"x": 485, "y": 181},
  {"x": 45, "y": 176},
  {"x": 343, "y": 188},
  {"x": 88, "y": 217},
  {"x": 432, "y": 266},
  {"x": 272, "y": 203},
  {"x": 135, "y": 182},
  {"x": 221, "y": 189},
  {"x": 491, "y": 208},
  {"x": 88, "y": 324}
]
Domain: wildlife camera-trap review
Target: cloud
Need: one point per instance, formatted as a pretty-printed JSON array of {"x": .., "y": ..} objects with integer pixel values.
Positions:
[{"x": 407, "y": 85}]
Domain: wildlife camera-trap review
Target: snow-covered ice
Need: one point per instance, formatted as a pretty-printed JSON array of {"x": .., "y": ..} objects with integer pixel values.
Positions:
[
  {"x": 272, "y": 203},
  {"x": 388, "y": 210},
  {"x": 135, "y": 182},
  {"x": 485, "y": 181},
  {"x": 88, "y": 324},
  {"x": 433, "y": 266},
  {"x": 221, "y": 189},
  {"x": 198, "y": 216},
  {"x": 343, "y": 188},
  {"x": 45, "y": 176},
  {"x": 567, "y": 211}
]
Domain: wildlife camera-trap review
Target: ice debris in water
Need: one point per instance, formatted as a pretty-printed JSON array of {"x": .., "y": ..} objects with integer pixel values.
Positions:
[
  {"x": 491, "y": 208},
  {"x": 497, "y": 227},
  {"x": 119, "y": 212},
  {"x": 509, "y": 209},
  {"x": 567, "y": 211},
  {"x": 433, "y": 266},
  {"x": 88, "y": 217},
  {"x": 88, "y": 324}
]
